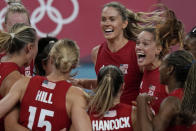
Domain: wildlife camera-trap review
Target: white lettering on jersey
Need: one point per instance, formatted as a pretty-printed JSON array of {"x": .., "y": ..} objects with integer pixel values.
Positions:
[
  {"x": 28, "y": 71},
  {"x": 44, "y": 97},
  {"x": 116, "y": 124}
]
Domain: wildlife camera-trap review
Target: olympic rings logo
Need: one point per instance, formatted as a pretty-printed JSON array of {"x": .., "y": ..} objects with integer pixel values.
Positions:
[{"x": 52, "y": 12}]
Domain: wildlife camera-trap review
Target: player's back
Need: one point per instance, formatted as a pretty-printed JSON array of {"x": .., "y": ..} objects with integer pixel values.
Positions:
[
  {"x": 43, "y": 106},
  {"x": 117, "y": 118}
]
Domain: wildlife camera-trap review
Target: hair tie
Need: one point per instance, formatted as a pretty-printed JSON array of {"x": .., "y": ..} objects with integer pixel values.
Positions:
[
  {"x": 12, "y": 35},
  {"x": 51, "y": 42}
]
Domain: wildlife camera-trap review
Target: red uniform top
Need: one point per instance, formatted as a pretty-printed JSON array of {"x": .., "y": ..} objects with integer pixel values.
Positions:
[
  {"x": 126, "y": 60},
  {"x": 5, "y": 69},
  {"x": 43, "y": 106},
  {"x": 27, "y": 71},
  {"x": 183, "y": 128},
  {"x": 151, "y": 85},
  {"x": 179, "y": 93},
  {"x": 117, "y": 118}
]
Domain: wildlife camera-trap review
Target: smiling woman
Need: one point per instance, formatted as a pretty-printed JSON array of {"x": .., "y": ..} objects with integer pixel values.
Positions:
[
  {"x": 120, "y": 26},
  {"x": 152, "y": 45}
]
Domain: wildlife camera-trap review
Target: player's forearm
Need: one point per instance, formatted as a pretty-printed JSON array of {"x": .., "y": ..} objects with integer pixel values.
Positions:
[
  {"x": 11, "y": 121},
  {"x": 143, "y": 122}
]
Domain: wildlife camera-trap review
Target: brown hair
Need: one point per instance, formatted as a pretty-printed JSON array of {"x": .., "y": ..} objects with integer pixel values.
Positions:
[
  {"x": 168, "y": 32},
  {"x": 137, "y": 21},
  {"x": 110, "y": 79},
  {"x": 184, "y": 72},
  {"x": 188, "y": 106}
]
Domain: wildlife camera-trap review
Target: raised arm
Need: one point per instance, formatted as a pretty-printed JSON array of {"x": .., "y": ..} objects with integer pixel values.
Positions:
[
  {"x": 77, "y": 109},
  {"x": 169, "y": 108},
  {"x": 143, "y": 123}
]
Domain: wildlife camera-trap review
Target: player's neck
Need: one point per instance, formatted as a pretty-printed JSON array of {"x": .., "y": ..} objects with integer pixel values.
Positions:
[
  {"x": 58, "y": 76},
  {"x": 13, "y": 58},
  {"x": 116, "y": 44},
  {"x": 117, "y": 100},
  {"x": 173, "y": 84}
]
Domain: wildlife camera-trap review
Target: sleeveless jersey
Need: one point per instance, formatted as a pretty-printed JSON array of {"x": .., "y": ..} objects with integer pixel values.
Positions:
[
  {"x": 117, "y": 118},
  {"x": 27, "y": 71},
  {"x": 151, "y": 85},
  {"x": 179, "y": 93},
  {"x": 5, "y": 69},
  {"x": 43, "y": 106},
  {"x": 126, "y": 60}
]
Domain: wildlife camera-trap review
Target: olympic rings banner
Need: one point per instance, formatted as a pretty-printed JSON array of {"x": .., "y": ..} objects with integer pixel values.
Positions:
[{"x": 78, "y": 20}]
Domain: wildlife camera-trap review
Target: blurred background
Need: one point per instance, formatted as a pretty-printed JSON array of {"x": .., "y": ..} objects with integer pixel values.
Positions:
[{"x": 79, "y": 20}]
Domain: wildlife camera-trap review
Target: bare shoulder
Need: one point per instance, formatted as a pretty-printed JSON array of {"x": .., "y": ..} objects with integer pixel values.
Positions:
[
  {"x": 9, "y": 81},
  {"x": 170, "y": 106},
  {"x": 94, "y": 53},
  {"x": 22, "y": 83},
  {"x": 171, "y": 101},
  {"x": 75, "y": 91},
  {"x": 24, "y": 80}
]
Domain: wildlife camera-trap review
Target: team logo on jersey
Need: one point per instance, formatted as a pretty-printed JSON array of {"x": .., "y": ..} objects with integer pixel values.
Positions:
[
  {"x": 124, "y": 68},
  {"x": 28, "y": 71},
  {"x": 151, "y": 90},
  {"x": 48, "y": 84},
  {"x": 110, "y": 113}
]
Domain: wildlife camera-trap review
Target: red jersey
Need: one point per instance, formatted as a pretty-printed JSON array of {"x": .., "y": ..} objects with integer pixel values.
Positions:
[
  {"x": 5, "y": 69},
  {"x": 151, "y": 85},
  {"x": 179, "y": 93},
  {"x": 27, "y": 71},
  {"x": 117, "y": 118},
  {"x": 43, "y": 106},
  {"x": 126, "y": 60}
]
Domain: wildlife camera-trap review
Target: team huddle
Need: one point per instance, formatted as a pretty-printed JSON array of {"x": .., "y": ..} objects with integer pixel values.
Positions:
[{"x": 141, "y": 85}]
